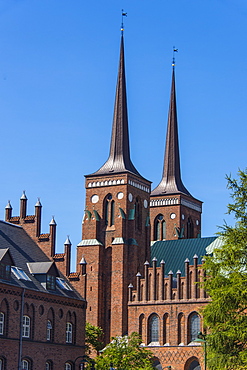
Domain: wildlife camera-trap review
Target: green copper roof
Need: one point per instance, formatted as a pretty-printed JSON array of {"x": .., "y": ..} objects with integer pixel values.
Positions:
[{"x": 175, "y": 252}]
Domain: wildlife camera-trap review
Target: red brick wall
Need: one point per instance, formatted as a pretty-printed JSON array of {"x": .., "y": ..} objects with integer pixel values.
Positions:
[{"x": 37, "y": 348}]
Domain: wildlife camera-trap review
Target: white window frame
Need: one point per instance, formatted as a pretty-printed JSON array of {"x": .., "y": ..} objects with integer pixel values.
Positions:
[
  {"x": 26, "y": 327},
  {"x": 25, "y": 365},
  {"x": 69, "y": 332},
  {"x": 1, "y": 324},
  {"x": 68, "y": 366},
  {"x": 48, "y": 365},
  {"x": 48, "y": 330}
]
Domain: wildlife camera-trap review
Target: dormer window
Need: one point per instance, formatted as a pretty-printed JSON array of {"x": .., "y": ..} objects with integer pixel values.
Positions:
[
  {"x": 6, "y": 262},
  {"x": 45, "y": 273},
  {"x": 4, "y": 271},
  {"x": 50, "y": 282}
]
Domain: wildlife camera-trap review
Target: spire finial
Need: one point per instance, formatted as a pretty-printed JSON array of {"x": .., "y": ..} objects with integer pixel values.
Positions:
[
  {"x": 173, "y": 56},
  {"x": 124, "y": 14}
]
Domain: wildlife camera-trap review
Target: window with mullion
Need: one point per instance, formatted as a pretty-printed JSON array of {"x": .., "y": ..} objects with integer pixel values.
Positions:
[{"x": 26, "y": 327}]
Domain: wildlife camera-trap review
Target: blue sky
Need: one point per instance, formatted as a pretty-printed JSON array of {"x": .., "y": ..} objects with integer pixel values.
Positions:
[{"x": 58, "y": 69}]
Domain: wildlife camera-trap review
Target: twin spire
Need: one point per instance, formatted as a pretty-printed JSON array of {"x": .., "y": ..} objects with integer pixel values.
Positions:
[
  {"x": 119, "y": 158},
  {"x": 171, "y": 182}
]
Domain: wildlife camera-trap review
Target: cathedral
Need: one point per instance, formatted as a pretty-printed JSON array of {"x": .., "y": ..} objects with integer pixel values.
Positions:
[
  {"x": 143, "y": 247},
  {"x": 139, "y": 263}
]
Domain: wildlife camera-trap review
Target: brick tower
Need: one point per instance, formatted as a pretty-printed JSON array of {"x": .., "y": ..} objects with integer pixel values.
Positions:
[
  {"x": 174, "y": 212},
  {"x": 116, "y": 239}
]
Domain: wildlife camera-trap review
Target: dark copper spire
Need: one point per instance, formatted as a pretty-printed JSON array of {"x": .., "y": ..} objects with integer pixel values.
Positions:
[
  {"x": 171, "y": 182},
  {"x": 119, "y": 158}
]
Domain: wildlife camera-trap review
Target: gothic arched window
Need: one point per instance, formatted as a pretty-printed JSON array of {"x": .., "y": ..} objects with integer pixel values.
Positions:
[
  {"x": 190, "y": 228},
  {"x": 194, "y": 326},
  {"x": 109, "y": 210},
  {"x": 138, "y": 215},
  {"x": 153, "y": 329},
  {"x": 159, "y": 228}
]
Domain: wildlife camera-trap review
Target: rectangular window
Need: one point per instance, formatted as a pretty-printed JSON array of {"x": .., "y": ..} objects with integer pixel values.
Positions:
[
  {"x": 50, "y": 282},
  {"x": 4, "y": 271}
]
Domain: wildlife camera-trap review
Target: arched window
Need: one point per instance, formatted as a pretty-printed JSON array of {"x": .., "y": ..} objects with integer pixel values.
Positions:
[
  {"x": 1, "y": 364},
  {"x": 159, "y": 228},
  {"x": 165, "y": 328},
  {"x": 190, "y": 228},
  {"x": 69, "y": 332},
  {"x": 48, "y": 365},
  {"x": 68, "y": 366},
  {"x": 109, "y": 210},
  {"x": 25, "y": 327},
  {"x": 25, "y": 365},
  {"x": 1, "y": 323},
  {"x": 141, "y": 326},
  {"x": 49, "y": 330},
  {"x": 194, "y": 326},
  {"x": 181, "y": 328},
  {"x": 50, "y": 325},
  {"x": 154, "y": 329}
]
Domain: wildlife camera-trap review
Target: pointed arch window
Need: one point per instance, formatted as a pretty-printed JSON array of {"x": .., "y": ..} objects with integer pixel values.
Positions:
[
  {"x": 68, "y": 366},
  {"x": 138, "y": 215},
  {"x": 194, "y": 326},
  {"x": 154, "y": 329},
  {"x": 109, "y": 210},
  {"x": 190, "y": 228},
  {"x": 159, "y": 228}
]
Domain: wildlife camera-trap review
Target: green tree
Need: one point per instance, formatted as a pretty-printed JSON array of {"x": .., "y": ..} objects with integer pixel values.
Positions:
[
  {"x": 93, "y": 338},
  {"x": 226, "y": 283},
  {"x": 125, "y": 353}
]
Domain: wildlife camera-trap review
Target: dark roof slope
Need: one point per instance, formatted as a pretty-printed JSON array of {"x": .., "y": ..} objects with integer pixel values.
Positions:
[
  {"x": 24, "y": 250},
  {"x": 175, "y": 252}
]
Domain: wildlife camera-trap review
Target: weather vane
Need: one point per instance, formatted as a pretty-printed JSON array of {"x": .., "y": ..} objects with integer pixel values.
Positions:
[
  {"x": 173, "y": 56},
  {"x": 124, "y": 14}
]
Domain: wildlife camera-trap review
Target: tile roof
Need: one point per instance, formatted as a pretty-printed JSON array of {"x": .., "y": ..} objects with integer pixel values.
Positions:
[
  {"x": 175, "y": 252},
  {"x": 24, "y": 250}
]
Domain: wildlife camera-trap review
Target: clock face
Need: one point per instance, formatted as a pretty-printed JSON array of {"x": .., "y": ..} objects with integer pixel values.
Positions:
[
  {"x": 130, "y": 197},
  {"x": 197, "y": 222},
  {"x": 120, "y": 195},
  {"x": 183, "y": 216},
  {"x": 94, "y": 198},
  {"x": 173, "y": 215},
  {"x": 145, "y": 203}
]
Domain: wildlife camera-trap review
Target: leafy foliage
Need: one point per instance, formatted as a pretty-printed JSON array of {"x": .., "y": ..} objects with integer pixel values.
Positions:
[
  {"x": 125, "y": 353},
  {"x": 226, "y": 283},
  {"x": 93, "y": 338}
]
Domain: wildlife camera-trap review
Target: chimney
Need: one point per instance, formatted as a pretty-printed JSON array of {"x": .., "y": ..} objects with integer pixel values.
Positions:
[
  {"x": 67, "y": 251},
  {"x": 53, "y": 227},
  {"x": 23, "y": 205},
  {"x": 8, "y": 211},
  {"x": 38, "y": 208}
]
